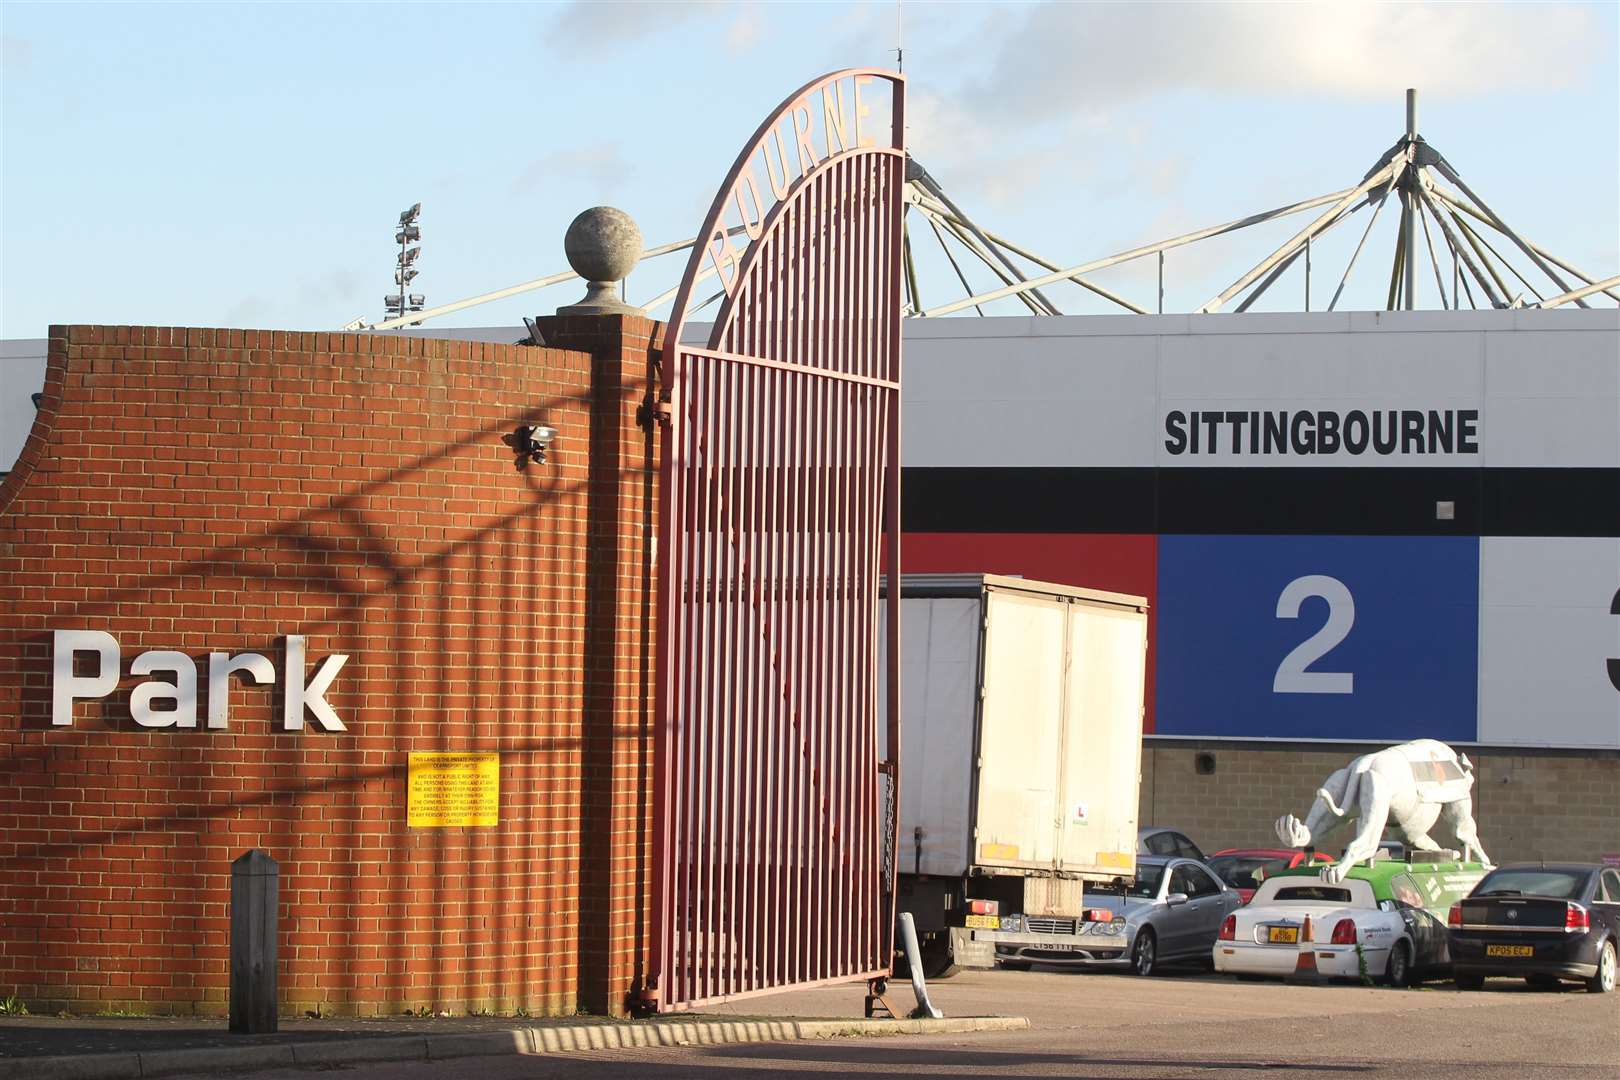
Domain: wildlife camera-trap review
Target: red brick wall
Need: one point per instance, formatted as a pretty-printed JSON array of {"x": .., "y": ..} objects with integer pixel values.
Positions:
[{"x": 213, "y": 490}]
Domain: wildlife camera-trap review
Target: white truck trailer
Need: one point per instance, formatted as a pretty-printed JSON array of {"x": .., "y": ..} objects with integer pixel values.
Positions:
[{"x": 1020, "y": 757}]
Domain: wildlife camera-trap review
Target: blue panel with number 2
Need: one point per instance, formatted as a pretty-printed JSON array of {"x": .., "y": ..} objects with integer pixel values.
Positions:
[{"x": 1319, "y": 637}]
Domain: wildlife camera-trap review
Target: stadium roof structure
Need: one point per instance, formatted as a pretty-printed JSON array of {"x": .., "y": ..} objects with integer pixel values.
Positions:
[{"x": 1467, "y": 238}]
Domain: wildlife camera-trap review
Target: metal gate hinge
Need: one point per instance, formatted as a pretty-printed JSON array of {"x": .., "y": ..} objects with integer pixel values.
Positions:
[{"x": 652, "y": 410}]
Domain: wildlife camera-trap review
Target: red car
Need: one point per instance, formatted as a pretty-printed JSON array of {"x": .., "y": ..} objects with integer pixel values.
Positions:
[{"x": 1244, "y": 868}]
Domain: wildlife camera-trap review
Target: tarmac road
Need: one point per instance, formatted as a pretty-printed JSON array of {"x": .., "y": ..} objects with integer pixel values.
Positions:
[{"x": 1118, "y": 1026}]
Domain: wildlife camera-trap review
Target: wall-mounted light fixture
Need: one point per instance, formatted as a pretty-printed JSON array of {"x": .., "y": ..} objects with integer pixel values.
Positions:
[{"x": 532, "y": 441}]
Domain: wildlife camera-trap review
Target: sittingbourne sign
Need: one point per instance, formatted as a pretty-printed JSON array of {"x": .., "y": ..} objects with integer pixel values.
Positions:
[{"x": 181, "y": 688}]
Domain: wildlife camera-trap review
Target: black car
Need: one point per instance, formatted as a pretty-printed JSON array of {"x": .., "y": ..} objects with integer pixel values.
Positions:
[{"x": 1541, "y": 922}]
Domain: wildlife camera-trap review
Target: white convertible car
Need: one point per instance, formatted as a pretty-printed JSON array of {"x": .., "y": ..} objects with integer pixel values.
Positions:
[{"x": 1380, "y": 921}]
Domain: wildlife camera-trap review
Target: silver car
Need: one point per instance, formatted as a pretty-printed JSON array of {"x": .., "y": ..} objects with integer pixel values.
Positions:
[{"x": 1172, "y": 912}]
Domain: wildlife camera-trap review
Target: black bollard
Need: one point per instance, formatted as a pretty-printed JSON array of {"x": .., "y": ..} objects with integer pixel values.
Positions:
[{"x": 255, "y": 879}]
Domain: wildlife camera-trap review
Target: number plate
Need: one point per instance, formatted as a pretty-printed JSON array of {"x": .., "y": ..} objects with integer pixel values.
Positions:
[
  {"x": 983, "y": 922},
  {"x": 1509, "y": 950},
  {"x": 1283, "y": 935},
  {"x": 1054, "y": 948}
]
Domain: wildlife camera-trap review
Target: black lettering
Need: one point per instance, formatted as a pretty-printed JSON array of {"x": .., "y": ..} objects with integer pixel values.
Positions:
[
  {"x": 1212, "y": 434},
  {"x": 1237, "y": 420},
  {"x": 1327, "y": 433},
  {"x": 1277, "y": 432},
  {"x": 1254, "y": 433},
  {"x": 1411, "y": 431},
  {"x": 1302, "y": 444},
  {"x": 1355, "y": 431},
  {"x": 1192, "y": 423},
  {"x": 1440, "y": 431},
  {"x": 1467, "y": 431},
  {"x": 1175, "y": 425},
  {"x": 1383, "y": 434}
]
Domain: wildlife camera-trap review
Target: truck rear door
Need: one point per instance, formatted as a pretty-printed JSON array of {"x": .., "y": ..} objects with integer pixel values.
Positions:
[
  {"x": 1020, "y": 738},
  {"x": 1101, "y": 754}
]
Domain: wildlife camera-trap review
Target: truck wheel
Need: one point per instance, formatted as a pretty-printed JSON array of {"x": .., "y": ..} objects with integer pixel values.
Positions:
[
  {"x": 1603, "y": 981},
  {"x": 939, "y": 962},
  {"x": 1145, "y": 953}
]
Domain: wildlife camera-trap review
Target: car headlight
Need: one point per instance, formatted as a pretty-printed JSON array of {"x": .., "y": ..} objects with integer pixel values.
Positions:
[{"x": 1012, "y": 924}]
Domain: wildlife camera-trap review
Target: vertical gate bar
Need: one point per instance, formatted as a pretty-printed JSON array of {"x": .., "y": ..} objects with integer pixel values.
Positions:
[
  {"x": 771, "y": 716},
  {"x": 695, "y": 620},
  {"x": 780, "y": 722},
  {"x": 843, "y": 673},
  {"x": 804, "y": 658},
  {"x": 762, "y": 676},
  {"x": 709, "y": 862},
  {"x": 870, "y": 781},
  {"x": 719, "y": 711},
  {"x": 729, "y": 777},
  {"x": 691, "y": 547},
  {"x": 812, "y": 579},
  {"x": 736, "y": 714},
  {"x": 864, "y": 666},
  {"x": 779, "y": 717},
  {"x": 891, "y": 486},
  {"x": 827, "y": 710},
  {"x": 815, "y": 693},
  {"x": 752, "y": 679},
  {"x": 692, "y": 648},
  {"x": 662, "y": 927}
]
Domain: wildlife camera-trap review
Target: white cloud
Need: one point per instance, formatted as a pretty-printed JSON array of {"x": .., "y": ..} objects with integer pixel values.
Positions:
[
  {"x": 592, "y": 27},
  {"x": 746, "y": 30},
  {"x": 600, "y": 165},
  {"x": 1062, "y": 57}
]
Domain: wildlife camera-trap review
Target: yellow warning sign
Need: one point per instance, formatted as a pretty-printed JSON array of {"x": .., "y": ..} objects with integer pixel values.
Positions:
[{"x": 446, "y": 790}]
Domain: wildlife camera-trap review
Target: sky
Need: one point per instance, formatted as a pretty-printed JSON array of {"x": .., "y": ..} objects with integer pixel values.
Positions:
[{"x": 244, "y": 164}]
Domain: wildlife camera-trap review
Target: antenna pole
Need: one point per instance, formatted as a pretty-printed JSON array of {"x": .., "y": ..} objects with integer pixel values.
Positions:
[{"x": 1409, "y": 197}]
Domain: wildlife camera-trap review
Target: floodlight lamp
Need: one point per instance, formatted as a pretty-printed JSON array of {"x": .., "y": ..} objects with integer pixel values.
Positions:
[
  {"x": 408, "y": 234},
  {"x": 417, "y": 300},
  {"x": 406, "y": 258},
  {"x": 408, "y": 216},
  {"x": 405, "y": 277}
]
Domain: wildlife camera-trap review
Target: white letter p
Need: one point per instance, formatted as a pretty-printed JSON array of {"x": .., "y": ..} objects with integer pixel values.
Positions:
[{"x": 65, "y": 685}]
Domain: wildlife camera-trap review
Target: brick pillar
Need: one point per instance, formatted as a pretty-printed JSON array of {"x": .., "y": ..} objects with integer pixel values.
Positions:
[{"x": 616, "y": 800}]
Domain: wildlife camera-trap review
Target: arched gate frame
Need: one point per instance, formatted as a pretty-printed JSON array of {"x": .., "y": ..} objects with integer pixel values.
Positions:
[{"x": 775, "y": 810}]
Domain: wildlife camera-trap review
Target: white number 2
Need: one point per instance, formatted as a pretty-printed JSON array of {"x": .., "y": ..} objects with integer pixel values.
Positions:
[{"x": 1292, "y": 678}]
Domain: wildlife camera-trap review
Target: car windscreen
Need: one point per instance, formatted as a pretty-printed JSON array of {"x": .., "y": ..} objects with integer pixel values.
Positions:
[
  {"x": 1245, "y": 871},
  {"x": 1560, "y": 884},
  {"x": 1148, "y": 877},
  {"x": 1312, "y": 894}
]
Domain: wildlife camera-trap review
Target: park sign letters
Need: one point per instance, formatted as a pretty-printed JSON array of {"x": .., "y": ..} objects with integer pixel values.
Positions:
[{"x": 181, "y": 686}]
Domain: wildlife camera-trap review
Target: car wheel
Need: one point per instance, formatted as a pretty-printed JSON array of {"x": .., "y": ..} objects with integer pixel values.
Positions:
[
  {"x": 1399, "y": 972},
  {"x": 1469, "y": 982},
  {"x": 1145, "y": 953},
  {"x": 1603, "y": 981}
]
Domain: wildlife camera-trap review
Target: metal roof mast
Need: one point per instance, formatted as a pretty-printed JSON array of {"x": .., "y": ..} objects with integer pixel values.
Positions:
[{"x": 1411, "y": 169}]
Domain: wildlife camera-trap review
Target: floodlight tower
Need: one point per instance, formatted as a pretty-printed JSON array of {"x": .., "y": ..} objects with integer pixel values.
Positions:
[{"x": 403, "y": 302}]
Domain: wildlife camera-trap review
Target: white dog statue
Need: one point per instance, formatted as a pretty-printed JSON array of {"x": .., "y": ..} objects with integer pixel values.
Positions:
[{"x": 1412, "y": 785}]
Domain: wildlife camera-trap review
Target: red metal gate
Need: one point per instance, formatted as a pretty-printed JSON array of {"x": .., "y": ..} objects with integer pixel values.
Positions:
[{"x": 780, "y": 489}]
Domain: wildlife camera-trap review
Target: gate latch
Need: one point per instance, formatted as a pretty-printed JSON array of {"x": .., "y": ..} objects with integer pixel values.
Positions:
[{"x": 655, "y": 410}]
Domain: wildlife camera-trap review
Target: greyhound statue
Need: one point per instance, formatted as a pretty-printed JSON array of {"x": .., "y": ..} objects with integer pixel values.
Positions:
[{"x": 1412, "y": 784}]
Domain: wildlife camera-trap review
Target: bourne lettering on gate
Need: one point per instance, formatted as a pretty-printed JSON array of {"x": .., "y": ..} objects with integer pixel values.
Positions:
[
  {"x": 820, "y": 125},
  {"x": 298, "y": 693}
]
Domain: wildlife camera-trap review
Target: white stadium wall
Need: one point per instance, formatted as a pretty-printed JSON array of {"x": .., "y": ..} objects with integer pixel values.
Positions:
[{"x": 1352, "y": 527}]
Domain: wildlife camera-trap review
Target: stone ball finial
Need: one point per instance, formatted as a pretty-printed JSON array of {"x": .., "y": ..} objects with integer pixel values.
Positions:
[{"x": 603, "y": 245}]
